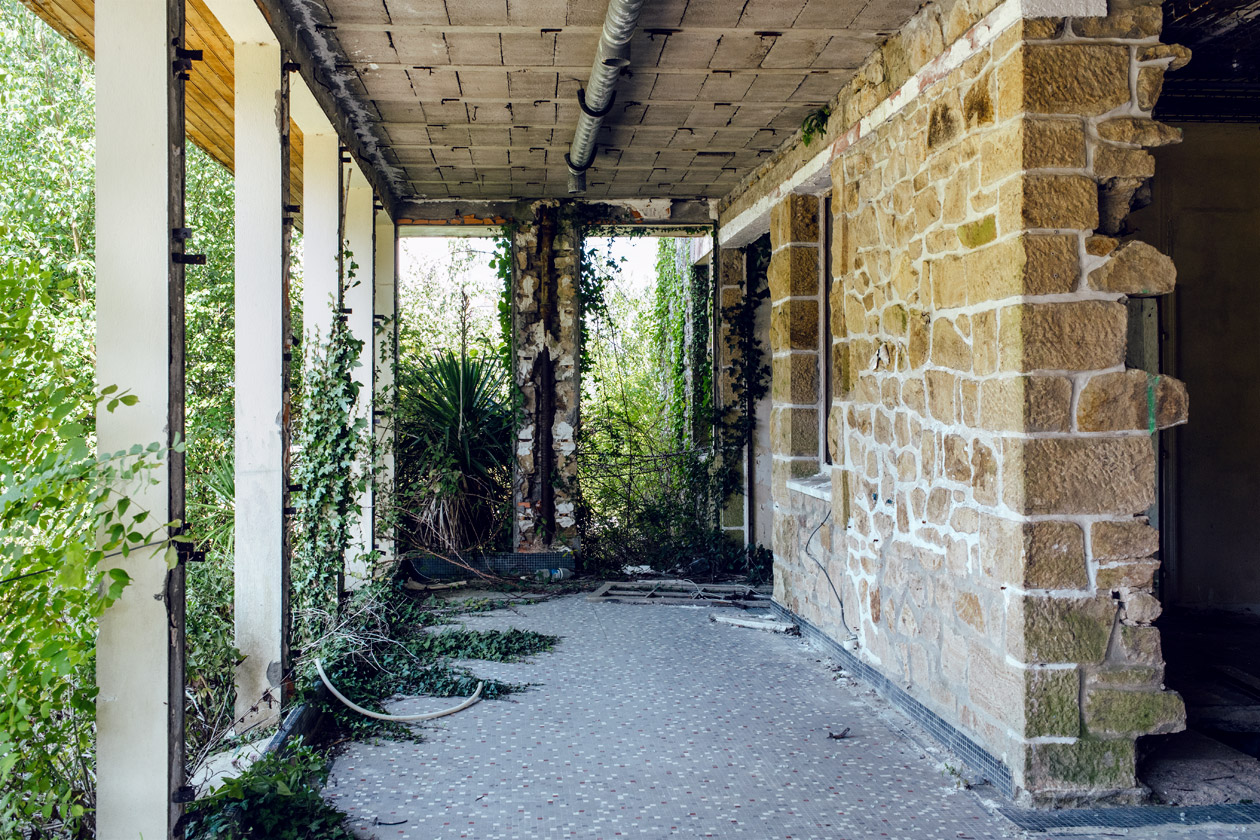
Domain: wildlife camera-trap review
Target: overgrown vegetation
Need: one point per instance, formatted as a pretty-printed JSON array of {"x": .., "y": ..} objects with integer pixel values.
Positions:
[
  {"x": 383, "y": 646},
  {"x": 275, "y": 798},
  {"x": 330, "y": 472},
  {"x": 657, "y": 461},
  {"x": 47, "y": 246},
  {"x": 454, "y": 418}
]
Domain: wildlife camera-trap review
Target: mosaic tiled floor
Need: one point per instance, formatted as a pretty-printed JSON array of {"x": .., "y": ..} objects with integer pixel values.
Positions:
[{"x": 653, "y": 722}]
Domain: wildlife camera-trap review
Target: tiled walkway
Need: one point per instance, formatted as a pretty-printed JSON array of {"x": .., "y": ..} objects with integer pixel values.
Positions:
[{"x": 653, "y": 722}]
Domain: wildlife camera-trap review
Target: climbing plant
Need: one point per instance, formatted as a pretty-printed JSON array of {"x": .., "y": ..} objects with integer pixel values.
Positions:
[
  {"x": 65, "y": 519},
  {"x": 657, "y": 461},
  {"x": 333, "y": 442}
]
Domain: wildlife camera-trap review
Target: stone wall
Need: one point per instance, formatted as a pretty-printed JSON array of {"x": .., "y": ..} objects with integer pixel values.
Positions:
[
  {"x": 992, "y": 456},
  {"x": 546, "y": 324}
]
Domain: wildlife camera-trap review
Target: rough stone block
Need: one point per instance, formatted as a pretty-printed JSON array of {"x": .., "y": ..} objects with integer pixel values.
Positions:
[
  {"x": 995, "y": 685},
  {"x": 794, "y": 431},
  {"x": 1068, "y": 630},
  {"x": 794, "y": 219},
  {"x": 1139, "y": 131},
  {"x": 1150, "y": 84},
  {"x": 1083, "y": 79},
  {"x": 1026, "y": 403},
  {"x": 1084, "y": 335},
  {"x": 1118, "y": 162},
  {"x": 794, "y": 379},
  {"x": 793, "y": 272},
  {"x": 1054, "y": 556},
  {"x": 1123, "y": 540},
  {"x": 949, "y": 348},
  {"x": 1131, "y": 400},
  {"x": 1086, "y": 766},
  {"x": 977, "y": 233},
  {"x": 1112, "y": 711},
  {"x": 794, "y": 325},
  {"x": 984, "y": 474},
  {"x": 1136, "y": 269},
  {"x": 1052, "y": 706},
  {"x": 1079, "y": 475},
  {"x": 941, "y": 389},
  {"x": 1053, "y": 143},
  {"x": 1135, "y": 575},
  {"x": 967, "y": 608},
  {"x": 1057, "y": 201},
  {"x": 1179, "y": 55},
  {"x": 1141, "y": 645}
]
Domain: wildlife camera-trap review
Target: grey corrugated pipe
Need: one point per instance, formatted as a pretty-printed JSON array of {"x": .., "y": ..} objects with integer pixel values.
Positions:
[{"x": 596, "y": 101}]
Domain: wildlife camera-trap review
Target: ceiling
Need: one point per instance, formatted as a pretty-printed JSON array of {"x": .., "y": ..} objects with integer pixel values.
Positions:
[
  {"x": 1222, "y": 81},
  {"x": 477, "y": 99}
]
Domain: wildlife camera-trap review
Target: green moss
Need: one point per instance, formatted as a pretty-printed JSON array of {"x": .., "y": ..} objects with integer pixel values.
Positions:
[
  {"x": 1086, "y": 764},
  {"x": 1118, "y": 712},
  {"x": 1052, "y": 703},
  {"x": 975, "y": 234}
]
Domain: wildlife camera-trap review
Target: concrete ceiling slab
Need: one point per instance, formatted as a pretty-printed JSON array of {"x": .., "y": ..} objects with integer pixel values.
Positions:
[{"x": 478, "y": 98}]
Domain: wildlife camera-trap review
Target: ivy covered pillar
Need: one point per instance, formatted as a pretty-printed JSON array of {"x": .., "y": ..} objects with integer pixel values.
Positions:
[
  {"x": 139, "y": 341},
  {"x": 359, "y": 309},
  {"x": 261, "y": 575},
  {"x": 546, "y": 314}
]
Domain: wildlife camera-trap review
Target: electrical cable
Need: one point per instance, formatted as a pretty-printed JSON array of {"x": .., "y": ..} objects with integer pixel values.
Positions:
[
  {"x": 827, "y": 575},
  {"x": 476, "y": 696}
]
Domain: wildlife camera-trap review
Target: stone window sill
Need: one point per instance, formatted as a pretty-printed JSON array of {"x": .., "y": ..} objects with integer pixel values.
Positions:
[{"x": 818, "y": 486}]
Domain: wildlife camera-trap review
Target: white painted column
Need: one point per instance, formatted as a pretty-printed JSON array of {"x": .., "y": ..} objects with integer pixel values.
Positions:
[
  {"x": 360, "y": 235},
  {"x": 260, "y": 578},
  {"x": 133, "y": 257},
  {"x": 320, "y": 209},
  {"x": 386, "y": 343}
]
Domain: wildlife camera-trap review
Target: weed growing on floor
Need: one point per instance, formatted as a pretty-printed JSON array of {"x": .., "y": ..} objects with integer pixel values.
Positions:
[
  {"x": 277, "y": 798},
  {"x": 385, "y": 646}
]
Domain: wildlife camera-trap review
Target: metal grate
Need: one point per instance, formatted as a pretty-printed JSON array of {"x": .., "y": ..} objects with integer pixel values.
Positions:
[{"x": 1133, "y": 817}]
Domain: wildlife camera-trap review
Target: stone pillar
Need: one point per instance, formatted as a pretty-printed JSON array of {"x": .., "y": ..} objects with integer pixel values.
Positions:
[
  {"x": 795, "y": 299},
  {"x": 546, "y": 324},
  {"x": 360, "y": 228},
  {"x": 261, "y": 579},
  {"x": 386, "y": 351},
  {"x": 139, "y": 335},
  {"x": 1079, "y": 477}
]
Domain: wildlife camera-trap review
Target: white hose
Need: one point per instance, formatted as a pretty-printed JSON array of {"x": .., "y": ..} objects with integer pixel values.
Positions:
[{"x": 396, "y": 718}]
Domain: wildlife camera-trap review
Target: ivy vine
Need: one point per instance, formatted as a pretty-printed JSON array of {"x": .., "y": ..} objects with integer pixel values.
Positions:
[{"x": 333, "y": 441}]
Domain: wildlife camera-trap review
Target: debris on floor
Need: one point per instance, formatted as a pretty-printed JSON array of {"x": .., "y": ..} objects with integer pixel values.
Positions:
[
  {"x": 757, "y": 622},
  {"x": 680, "y": 592}
]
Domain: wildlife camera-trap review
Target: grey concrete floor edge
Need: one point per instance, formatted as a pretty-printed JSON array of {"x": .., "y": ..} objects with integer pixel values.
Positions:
[{"x": 653, "y": 722}]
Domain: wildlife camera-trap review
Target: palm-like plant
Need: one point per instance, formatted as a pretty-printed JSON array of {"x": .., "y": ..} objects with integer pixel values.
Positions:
[{"x": 454, "y": 450}]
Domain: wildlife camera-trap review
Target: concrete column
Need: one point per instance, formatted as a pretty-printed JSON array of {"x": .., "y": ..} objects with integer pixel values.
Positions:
[
  {"x": 546, "y": 323},
  {"x": 360, "y": 228},
  {"x": 320, "y": 204},
  {"x": 386, "y": 354},
  {"x": 137, "y": 753},
  {"x": 260, "y": 574}
]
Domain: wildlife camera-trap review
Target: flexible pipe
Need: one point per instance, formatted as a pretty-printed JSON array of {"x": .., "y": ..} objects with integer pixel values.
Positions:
[
  {"x": 319, "y": 666},
  {"x": 612, "y": 54}
]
